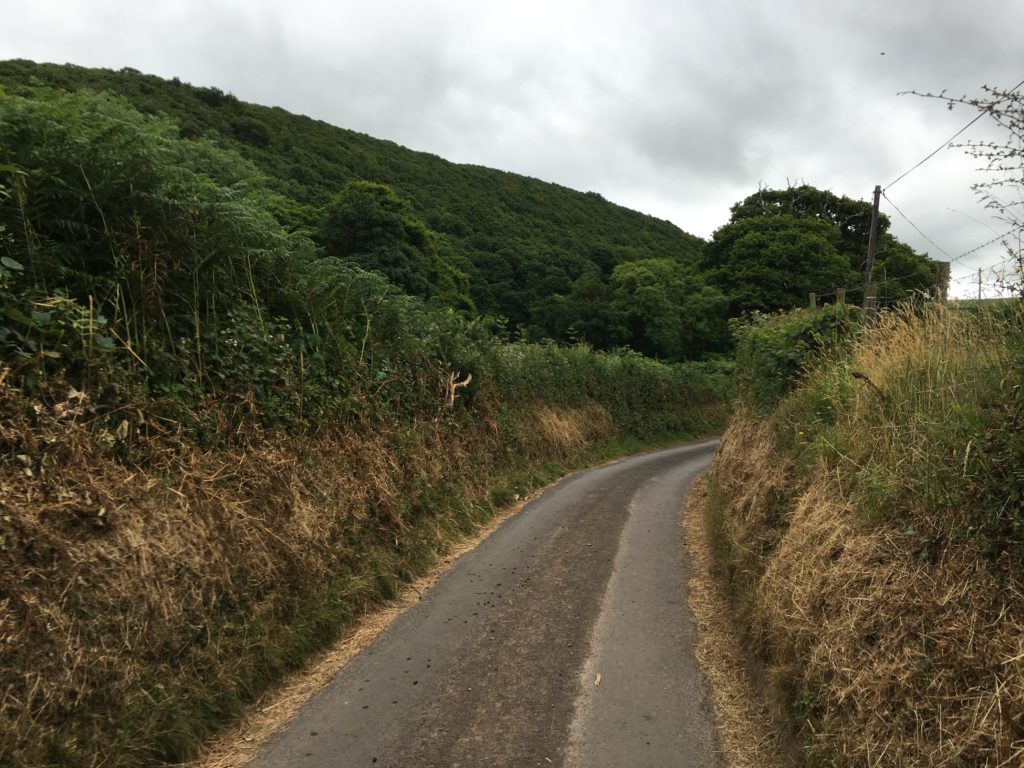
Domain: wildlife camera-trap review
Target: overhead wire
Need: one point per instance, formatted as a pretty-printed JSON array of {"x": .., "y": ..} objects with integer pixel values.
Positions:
[
  {"x": 987, "y": 243},
  {"x": 922, "y": 234},
  {"x": 936, "y": 151},
  {"x": 947, "y": 142}
]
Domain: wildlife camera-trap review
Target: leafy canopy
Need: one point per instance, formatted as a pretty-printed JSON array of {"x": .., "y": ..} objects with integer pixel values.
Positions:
[
  {"x": 767, "y": 230},
  {"x": 772, "y": 262}
]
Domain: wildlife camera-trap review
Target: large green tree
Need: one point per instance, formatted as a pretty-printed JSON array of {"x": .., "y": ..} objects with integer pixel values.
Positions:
[
  {"x": 668, "y": 310},
  {"x": 898, "y": 269},
  {"x": 851, "y": 218},
  {"x": 772, "y": 262}
]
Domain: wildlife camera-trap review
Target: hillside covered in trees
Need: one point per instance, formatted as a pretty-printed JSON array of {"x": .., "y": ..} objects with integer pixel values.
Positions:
[{"x": 550, "y": 262}]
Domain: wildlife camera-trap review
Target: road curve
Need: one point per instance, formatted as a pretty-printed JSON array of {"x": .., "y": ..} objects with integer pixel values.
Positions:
[{"x": 564, "y": 639}]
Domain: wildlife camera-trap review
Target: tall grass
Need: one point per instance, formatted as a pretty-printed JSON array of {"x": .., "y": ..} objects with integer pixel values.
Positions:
[
  {"x": 917, "y": 421},
  {"x": 873, "y": 548}
]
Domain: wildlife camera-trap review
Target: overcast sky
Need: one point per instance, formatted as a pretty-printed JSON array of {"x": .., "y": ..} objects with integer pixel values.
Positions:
[{"x": 675, "y": 108}]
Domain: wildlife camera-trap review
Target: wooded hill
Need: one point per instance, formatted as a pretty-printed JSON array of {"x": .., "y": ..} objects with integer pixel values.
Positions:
[
  {"x": 511, "y": 240},
  {"x": 552, "y": 262}
]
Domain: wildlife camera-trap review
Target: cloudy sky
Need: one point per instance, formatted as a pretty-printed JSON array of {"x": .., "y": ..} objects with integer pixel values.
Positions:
[{"x": 675, "y": 108}]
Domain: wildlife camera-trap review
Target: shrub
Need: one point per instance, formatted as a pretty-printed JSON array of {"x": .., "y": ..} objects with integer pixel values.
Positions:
[{"x": 773, "y": 351}]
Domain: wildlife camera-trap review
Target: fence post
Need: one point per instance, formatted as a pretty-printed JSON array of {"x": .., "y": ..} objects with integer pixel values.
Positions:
[{"x": 870, "y": 306}]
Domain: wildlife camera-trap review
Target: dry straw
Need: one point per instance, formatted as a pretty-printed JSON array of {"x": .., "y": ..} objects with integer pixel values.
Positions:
[
  {"x": 895, "y": 640},
  {"x": 141, "y": 604}
]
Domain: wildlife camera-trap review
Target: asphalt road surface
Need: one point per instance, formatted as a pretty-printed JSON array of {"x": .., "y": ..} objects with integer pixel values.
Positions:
[{"x": 564, "y": 639}]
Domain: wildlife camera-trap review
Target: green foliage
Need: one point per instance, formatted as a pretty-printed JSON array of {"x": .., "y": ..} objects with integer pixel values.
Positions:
[
  {"x": 773, "y": 262},
  {"x": 500, "y": 243},
  {"x": 153, "y": 239},
  {"x": 643, "y": 397},
  {"x": 773, "y": 352},
  {"x": 137, "y": 264},
  {"x": 370, "y": 225},
  {"x": 801, "y": 230},
  {"x": 851, "y": 218},
  {"x": 668, "y": 309},
  {"x": 901, "y": 274},
  {"x": 658, "y": 307},
  {"x": 536, "y": 255},
  {"x": 998, "y": 466}
]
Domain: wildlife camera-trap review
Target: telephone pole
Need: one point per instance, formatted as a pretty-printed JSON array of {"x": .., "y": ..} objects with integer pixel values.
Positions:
[{"x": 869, "y": 294}]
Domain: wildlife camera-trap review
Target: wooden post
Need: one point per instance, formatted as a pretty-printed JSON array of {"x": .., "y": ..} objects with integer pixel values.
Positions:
[
  {"x": 840, "y": 295},
  {"x": 812, "y": 301},
  {"x": 870, "y": 306},
  {"x": 941, "y": 281},
  {"x": 979, "y": 283},
  {"x": 872, "y": 243}
]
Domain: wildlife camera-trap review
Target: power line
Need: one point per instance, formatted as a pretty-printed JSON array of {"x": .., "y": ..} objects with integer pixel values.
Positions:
[
  {"x": 990, "y": 268},
  {"x": 922, "y": 234},
  {"x": 947, "y": 142},
  {"x": 972, "y": 218},
  {"x": 938, "y": 149},
  {"x": 987, "y": 243}
]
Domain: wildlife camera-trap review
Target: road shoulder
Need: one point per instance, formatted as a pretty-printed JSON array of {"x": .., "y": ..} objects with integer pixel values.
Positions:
[{"x": 744, "y": 724}]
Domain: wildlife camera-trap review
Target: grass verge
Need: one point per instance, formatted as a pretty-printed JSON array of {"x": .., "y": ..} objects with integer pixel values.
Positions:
[{"x": 870, "y": 541}]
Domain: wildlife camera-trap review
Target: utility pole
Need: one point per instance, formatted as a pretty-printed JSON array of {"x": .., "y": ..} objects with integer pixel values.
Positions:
[
  {"x": 941, "y": 281},
  {"x": 869, "y": 294}
]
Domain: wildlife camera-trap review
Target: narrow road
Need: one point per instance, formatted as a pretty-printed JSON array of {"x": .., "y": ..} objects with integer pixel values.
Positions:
[{"x": 564, "y": 639}]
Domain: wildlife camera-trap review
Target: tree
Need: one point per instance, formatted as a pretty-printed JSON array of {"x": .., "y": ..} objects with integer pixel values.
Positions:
[
  {"x": 899, "y": 271},
  {"x": 852, "y": 220},
  {"x": 668, "y": 310},
  {"x": 370, "y": 225},
  {"x": 772, "y": 262},
  {"x": 583, "y": 314}
]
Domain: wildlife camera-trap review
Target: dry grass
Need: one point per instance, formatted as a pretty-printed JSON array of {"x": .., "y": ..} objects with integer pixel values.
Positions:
[
  {"x": 746, "y": 730},
  {"x": 893, "y": 661},
  {"x": 756, "y": 479},
  {"x": 144, "y": 602},
  {"x": 888, "y": 627},
  {"x": 568, "y": 431}
]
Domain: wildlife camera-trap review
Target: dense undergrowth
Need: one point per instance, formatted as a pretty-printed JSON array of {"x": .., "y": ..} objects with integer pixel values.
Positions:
[
  {"x": 868, "y": 515},
  {"x": 219, "y": 446}
]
